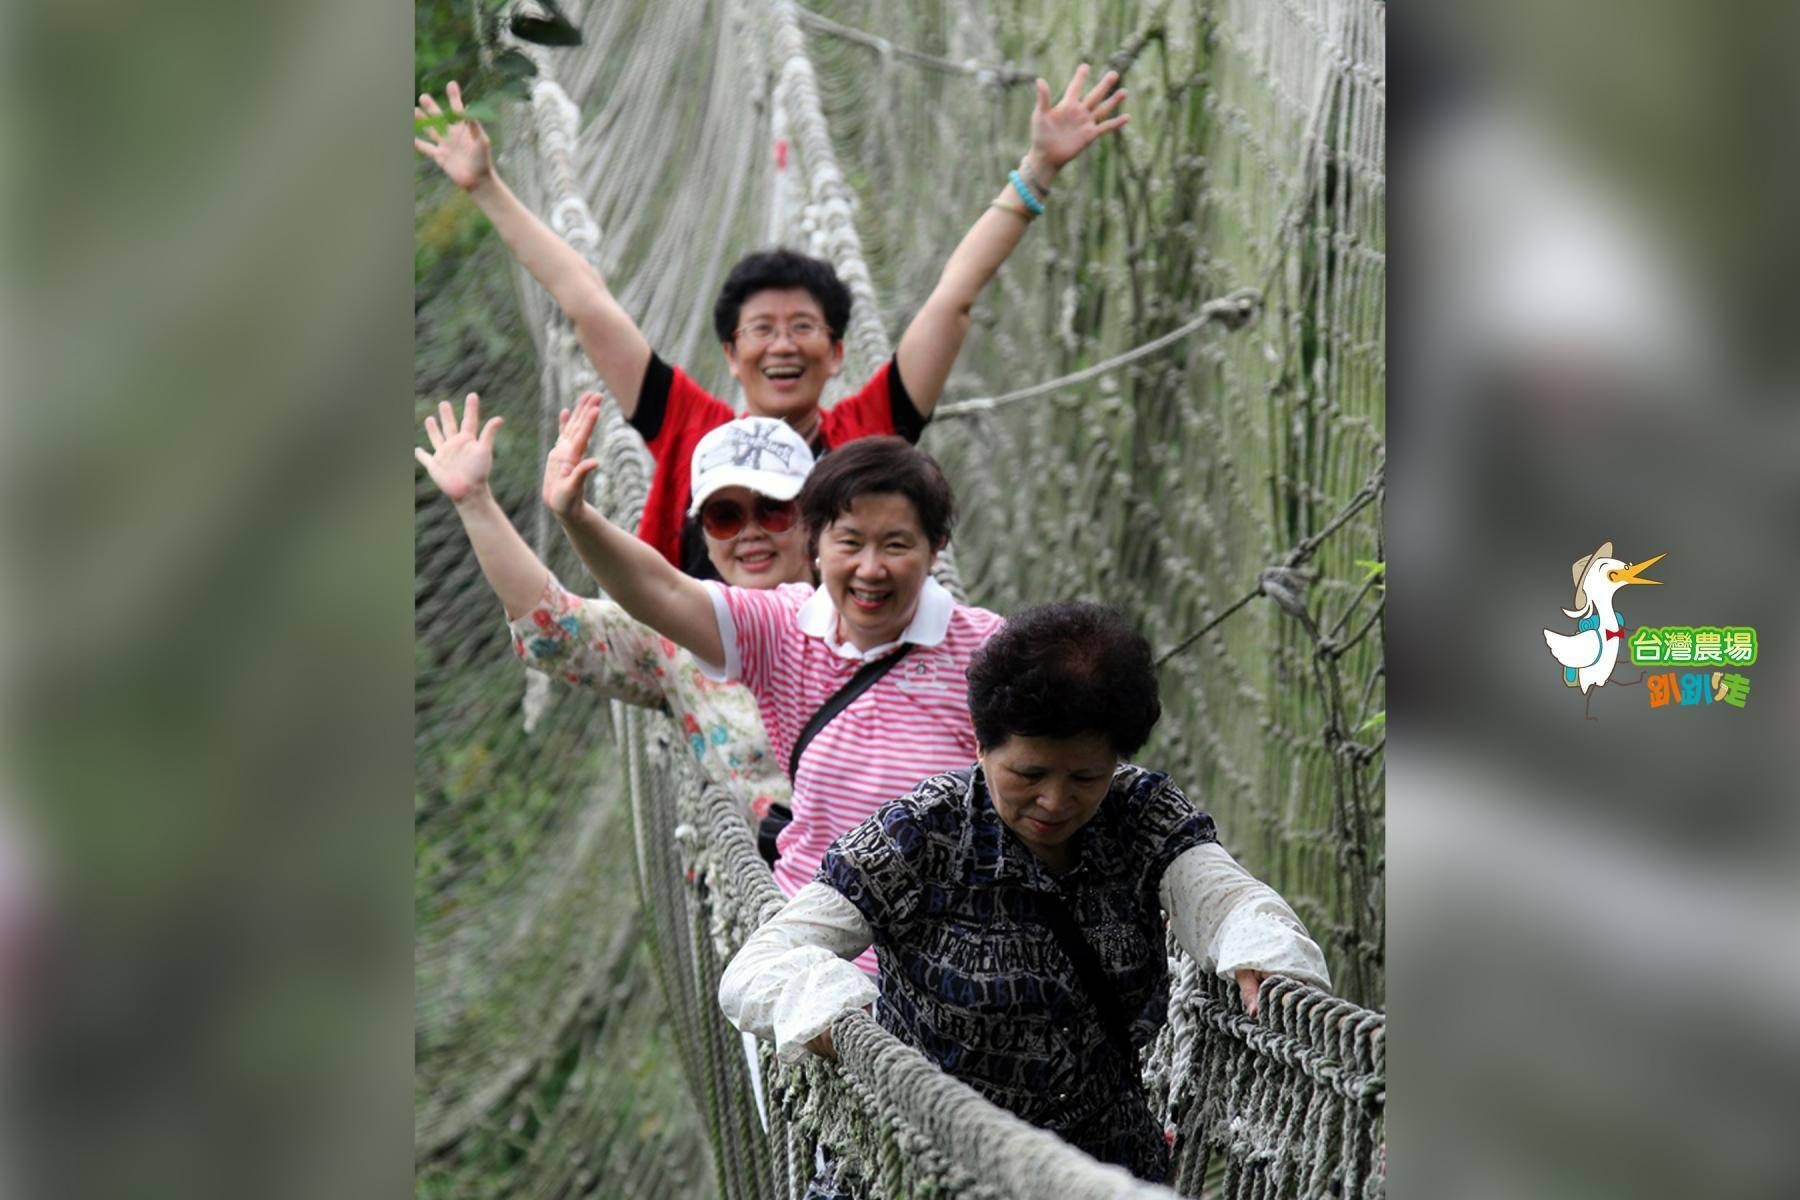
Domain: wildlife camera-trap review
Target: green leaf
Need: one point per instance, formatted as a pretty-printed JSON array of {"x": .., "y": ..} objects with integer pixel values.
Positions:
[
  {"x": 1373, "y": 566},
  {"x": 1379, "y": 719}
]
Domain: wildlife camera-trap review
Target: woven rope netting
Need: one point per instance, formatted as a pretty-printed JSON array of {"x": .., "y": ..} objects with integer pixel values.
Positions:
[{"x": 1171, "y": 401}]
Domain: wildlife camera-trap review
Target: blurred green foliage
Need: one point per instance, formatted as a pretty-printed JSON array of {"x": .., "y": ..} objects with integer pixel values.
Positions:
[
  {"x": 457, "y": 41},
  {"x": 453, "y": 40}
]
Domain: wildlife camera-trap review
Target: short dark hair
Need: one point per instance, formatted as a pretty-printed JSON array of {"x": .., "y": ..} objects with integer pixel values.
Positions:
[
  {"x": 781, "y": 268},
  {"x": 877, "y": 465},
  {"x": 1063, "y": 670}
]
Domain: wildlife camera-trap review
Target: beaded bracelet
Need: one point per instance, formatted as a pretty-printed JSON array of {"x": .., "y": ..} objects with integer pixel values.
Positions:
[
  {"x": 1031, "y": 202},
  {"x": 1025, "y": 170}
]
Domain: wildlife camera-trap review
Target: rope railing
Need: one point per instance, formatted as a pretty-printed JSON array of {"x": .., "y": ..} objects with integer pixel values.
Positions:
[
  {"x": 1289, "y": 1102},
  {"x": 1290, "y": 1099}
]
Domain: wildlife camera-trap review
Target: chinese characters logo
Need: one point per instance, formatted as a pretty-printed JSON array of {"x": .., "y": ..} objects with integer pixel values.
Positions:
[
  {"x": 1696, "y": 646},
  {"x": 1590, "y": 654}
]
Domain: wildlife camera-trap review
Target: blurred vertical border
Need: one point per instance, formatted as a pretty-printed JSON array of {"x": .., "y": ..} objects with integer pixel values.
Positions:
[
  {"x": 205, "y": 843},
  {"x": 1594, "y": 982}
]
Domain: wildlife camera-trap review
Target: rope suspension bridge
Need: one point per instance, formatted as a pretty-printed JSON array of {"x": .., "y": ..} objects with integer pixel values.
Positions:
[{"x": 1171, "y": 401}]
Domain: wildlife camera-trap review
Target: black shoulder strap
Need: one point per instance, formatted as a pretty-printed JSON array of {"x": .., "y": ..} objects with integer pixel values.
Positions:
[
  {"x": 1055, "y": 914},
  {"x": 856, "y": 685}
]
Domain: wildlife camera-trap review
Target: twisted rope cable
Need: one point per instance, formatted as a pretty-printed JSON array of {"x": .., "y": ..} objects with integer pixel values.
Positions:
[
  {"x": 1232, "y": 311},
  {"x": 1000, "y": 76}
]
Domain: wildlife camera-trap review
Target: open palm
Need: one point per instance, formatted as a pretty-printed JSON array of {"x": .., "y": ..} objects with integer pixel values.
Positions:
[
  {"x": 1061, "y": 132},
  {"x": 460, "y": 457},
  {"x": 567, "y": 469},
  {"x": 463, "y": 151}
]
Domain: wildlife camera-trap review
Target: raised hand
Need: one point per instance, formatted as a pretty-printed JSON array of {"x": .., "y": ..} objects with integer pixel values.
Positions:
[
  {"x": 1059, "y": 133},
  {"x": 567, "y": 469},
  {"x": 463, "y": 151},
  {"x": 460, "y": 457}
]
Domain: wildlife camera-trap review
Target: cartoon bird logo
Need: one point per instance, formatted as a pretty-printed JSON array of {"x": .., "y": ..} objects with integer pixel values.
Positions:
[{"x": 1589, "y": 655}]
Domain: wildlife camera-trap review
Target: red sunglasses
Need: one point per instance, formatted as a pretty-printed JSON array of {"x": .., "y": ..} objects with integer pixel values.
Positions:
[{"x": 726, "y": 518}]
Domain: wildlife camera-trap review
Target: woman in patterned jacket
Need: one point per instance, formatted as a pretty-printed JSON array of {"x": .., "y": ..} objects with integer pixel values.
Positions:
[
  {"x": 746, "y": 475},
  {"x": 1017, "y": 905}
]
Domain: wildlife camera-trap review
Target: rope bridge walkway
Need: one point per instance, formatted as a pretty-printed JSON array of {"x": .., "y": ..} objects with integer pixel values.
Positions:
[{"x": 1172, "y": 401}]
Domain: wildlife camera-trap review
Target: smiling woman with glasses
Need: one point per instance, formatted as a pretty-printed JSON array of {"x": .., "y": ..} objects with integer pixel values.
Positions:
[
  {"x": 745, "y": 476},
  {"x": 780, "y": 316}
]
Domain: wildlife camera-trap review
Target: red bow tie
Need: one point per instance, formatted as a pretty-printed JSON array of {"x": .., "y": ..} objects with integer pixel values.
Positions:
[{"x": 1615, "y": 633}]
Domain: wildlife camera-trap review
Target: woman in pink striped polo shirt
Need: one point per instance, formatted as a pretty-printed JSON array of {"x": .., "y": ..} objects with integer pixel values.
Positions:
[{"x": 878, "y": 511}]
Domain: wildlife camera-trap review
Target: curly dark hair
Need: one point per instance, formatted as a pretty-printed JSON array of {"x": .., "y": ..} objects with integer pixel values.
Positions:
[
  {"x": 781, "y": 268},
  {"x": 872, "y": 465},
  {"x": 1063, "y": 670}
]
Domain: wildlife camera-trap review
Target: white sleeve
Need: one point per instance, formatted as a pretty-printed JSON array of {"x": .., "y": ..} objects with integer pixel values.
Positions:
[
  {"x": 1228, "y": 919},
  {"x": 733, "y": 668},
  {"x": 794, "y": 976}
]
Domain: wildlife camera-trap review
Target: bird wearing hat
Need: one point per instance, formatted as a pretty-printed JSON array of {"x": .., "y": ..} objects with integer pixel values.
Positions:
[{"x": 1589, "y": 655}]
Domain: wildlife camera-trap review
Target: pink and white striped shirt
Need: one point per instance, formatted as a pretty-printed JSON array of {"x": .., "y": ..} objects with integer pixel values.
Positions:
[{"x": 782, "y": 644}]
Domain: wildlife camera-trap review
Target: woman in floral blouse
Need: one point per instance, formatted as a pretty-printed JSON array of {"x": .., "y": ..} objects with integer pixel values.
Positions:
[
  {"x": 1018, "y": 904},
  {"x": 745, "y": 477}
]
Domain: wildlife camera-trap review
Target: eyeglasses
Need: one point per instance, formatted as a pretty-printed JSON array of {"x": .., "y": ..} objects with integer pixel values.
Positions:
[
  {"x": 762, "y": 332},
  {"x": 726, "y": 518}
]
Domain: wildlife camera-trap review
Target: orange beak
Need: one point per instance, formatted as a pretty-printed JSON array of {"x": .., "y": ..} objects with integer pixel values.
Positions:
[{"x": 1630, "y": 574}]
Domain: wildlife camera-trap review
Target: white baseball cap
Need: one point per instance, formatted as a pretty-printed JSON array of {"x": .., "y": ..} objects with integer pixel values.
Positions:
[{"x": 760, "y": 453}]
